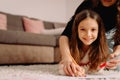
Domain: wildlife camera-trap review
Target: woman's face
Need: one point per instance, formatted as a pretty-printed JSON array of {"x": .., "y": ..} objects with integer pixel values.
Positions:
[
  {"x": 108, "y": 3},
  {"x": 88, "y": 31}
]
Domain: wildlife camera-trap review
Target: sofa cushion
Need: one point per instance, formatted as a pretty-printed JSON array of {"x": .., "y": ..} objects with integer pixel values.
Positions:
[
  {"x": 14, "y": 22},
  {"x": 48, "y": 25},
  {"x": 3, "y": 22},
  {"x": 34, "y": 26},
  {"x": 25, "y": 38},
  {"x": 59, "y": 25},
  {"x": 56, "y": 31},
  {"x": 8, "y": 36},
  {"x": 35, "y": 39}
]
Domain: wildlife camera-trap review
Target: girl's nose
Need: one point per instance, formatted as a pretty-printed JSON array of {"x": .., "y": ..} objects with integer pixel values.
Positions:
[{"x": 89, "y": 33}]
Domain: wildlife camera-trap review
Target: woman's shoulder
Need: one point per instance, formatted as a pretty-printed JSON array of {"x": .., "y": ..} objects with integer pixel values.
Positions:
[{"x": 86, "y": 4}]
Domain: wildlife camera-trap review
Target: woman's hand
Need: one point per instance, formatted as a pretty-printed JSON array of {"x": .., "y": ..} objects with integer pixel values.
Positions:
[
  {"x": 113, "y": 61},
  {"x": 112, "y": 55},
  {"x": 71, "y": 68},
  {"x": 112, "y": 64}
]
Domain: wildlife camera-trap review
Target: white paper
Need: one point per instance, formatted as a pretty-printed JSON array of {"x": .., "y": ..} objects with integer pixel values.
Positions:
[{"x": 105, "y": 75}]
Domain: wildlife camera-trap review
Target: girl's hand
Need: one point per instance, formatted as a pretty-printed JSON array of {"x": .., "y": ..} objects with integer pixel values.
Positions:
[
  {"x": 80, "y": 72},
  {"x": 71, "y": 68}
]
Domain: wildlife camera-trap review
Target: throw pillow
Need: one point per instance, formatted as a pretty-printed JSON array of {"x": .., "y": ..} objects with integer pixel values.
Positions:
[
  {"x": 3, "y": 22},
  {"x": 34, "y": 26}
]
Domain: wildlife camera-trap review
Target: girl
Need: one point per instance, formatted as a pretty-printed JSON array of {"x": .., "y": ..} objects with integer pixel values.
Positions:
[
  {"x": 109, "y": 11},
  {"x": 87, "y": 45}
]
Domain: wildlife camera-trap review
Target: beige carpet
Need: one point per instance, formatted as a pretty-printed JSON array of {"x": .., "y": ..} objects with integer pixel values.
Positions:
[{"x": 46, "y": 72}]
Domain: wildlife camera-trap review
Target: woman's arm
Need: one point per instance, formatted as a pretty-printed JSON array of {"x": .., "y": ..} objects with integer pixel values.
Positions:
[
  {"x": 112, "y": 64},
  {"x": 116, "y": 51}
]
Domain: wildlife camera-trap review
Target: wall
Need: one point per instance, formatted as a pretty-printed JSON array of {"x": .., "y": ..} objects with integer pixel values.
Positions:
[
  {"x": 71, "y": 6},
  {"x": 49, "y": 10}
]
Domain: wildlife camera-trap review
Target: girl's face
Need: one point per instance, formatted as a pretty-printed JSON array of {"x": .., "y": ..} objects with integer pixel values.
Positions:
[
  {"x": 108, "y": 3},
  {"x": 88, "y": 31}
]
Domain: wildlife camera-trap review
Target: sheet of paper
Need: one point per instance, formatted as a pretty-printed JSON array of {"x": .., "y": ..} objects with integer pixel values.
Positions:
[{"x": 105, "y": 75}]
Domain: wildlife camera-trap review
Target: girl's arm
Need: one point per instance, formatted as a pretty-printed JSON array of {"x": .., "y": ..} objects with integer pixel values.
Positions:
[
  {"x": 70, "y": 67},
  {"x": 66, "y": 58},
  {"x": 64, "y": 48}
]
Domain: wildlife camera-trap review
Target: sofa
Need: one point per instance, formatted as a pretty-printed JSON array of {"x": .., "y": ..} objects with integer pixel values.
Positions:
[{"x": 17, "y": 46}]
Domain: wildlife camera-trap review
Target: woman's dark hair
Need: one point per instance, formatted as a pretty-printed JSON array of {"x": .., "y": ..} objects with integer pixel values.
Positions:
[
  {"x": 94, "y": 2},
  {"x": 98, "y": 49},
  {"x": 117, "y": 33}
]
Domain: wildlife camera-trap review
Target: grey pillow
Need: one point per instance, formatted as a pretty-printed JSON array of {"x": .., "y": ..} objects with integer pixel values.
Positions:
[
  {"x": 48, "y": 25},
  {"x": 14, "y": 22}
]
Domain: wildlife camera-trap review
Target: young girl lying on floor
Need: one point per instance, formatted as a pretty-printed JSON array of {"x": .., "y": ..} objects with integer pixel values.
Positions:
[{"x": 88, "y": 46}]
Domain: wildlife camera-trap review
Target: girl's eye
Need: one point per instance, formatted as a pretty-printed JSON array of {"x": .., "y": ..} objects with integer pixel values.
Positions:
[
  {"x": 93, "y": 29},
  {"x": 82, "y": 29}
]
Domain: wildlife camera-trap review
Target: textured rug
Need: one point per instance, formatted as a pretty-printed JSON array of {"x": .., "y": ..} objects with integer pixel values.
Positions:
[{"x": 46, "y": 72}]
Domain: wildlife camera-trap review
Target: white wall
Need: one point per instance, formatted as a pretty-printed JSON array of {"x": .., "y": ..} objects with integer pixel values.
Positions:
[
  {"x": 71, "y": 6},
  {"x": 49, "y": 10}
]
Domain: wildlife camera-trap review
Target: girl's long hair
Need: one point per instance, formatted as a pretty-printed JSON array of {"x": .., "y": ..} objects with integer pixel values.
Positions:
[{"x": 98, "y": 49}]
